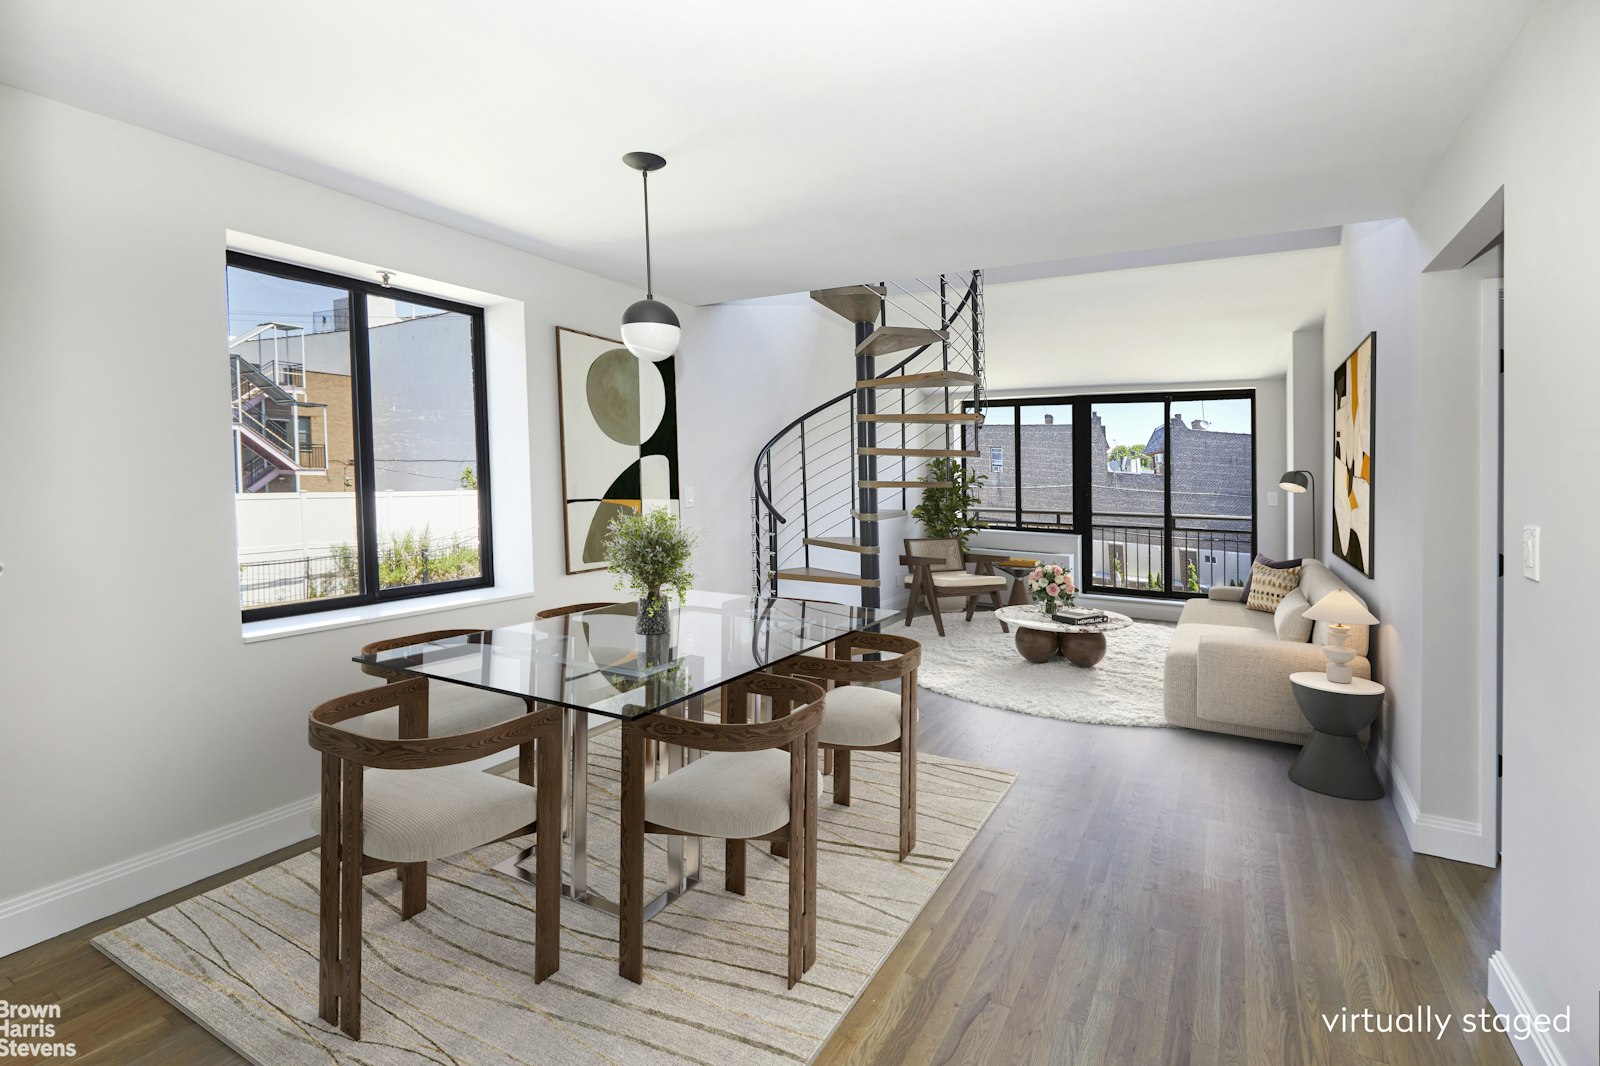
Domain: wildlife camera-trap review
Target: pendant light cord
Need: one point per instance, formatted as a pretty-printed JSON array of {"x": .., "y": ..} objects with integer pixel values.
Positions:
[{"x": 649, "y": 283}]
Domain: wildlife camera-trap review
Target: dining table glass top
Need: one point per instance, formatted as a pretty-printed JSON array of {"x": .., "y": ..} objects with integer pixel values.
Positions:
[{"x": 595, "y": 661}]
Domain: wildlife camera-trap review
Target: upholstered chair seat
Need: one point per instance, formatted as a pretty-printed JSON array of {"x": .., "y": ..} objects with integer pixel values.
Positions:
[
  {"x": 734, "y": 795},
  {"x": 860, "y": 717},
  {"x": 417, "y": 815}
]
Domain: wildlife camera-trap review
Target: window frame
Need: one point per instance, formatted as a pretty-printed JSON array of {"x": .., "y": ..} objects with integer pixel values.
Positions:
[
  {"x": 366, "y": 500},
  {"x": 1082, "y": 525}
]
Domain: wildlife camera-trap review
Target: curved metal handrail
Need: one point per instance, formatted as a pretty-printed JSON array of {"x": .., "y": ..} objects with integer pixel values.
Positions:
[{"x": 766, "y": 449}]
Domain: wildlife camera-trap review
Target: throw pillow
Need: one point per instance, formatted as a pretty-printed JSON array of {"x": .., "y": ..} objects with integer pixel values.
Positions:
[
  {"x": 1276, "y": 564},
  {"x": 1269, "y": 585},
  {"x": 1290, "y": 618}
]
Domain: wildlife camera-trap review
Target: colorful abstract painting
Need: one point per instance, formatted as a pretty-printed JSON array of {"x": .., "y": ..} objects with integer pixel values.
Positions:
[
  {"x": 1352, "y": 456},
  {"x": 619, "y": 439}
]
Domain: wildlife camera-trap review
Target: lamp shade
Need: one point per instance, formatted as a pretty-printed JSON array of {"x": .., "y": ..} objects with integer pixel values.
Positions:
[
  {"x": 1340, "y": 608},
  {"x": 650, "y": 330},
  {"x": 1295, "y": 481}
]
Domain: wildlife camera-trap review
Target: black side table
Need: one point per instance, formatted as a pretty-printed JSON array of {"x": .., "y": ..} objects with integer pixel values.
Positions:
[{"x": 1333, "y": 761}]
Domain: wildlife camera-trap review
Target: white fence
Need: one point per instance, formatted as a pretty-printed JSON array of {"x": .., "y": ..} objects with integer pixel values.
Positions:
[{"x": 292, "y": 525}]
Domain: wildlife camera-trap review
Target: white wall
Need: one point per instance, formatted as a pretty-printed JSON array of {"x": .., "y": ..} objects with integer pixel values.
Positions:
[
  {"x": 1303, "y": 385},
  {"x": 135, "y": 718},
  {"x": 1535, "y": 132}
]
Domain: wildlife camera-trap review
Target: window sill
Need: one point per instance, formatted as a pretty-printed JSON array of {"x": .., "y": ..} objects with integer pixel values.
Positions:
[{"x": 277, "y": 628}]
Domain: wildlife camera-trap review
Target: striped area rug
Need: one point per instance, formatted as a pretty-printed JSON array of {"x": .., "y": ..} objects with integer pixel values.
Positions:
[{"x": 454, "y": 985}]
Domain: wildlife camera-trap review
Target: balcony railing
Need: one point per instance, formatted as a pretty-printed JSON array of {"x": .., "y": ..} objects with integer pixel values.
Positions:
[{"x": 313, "y": 457}]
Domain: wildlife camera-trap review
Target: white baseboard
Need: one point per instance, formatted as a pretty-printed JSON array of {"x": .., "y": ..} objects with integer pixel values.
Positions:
[
  {"x": 66, "y": 905},
  {"x": 1507, "y": 996},
  {"x": 1433, "y": 834}
]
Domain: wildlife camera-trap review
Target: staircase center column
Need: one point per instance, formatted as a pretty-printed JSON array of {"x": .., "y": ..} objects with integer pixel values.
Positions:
[{"x": 867, "y": 468}]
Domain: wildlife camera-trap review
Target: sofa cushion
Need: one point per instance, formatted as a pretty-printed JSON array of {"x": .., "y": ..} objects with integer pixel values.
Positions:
[
  {"x": 1222, "y": 613},
  {"x": 1290, "y": 619},
  {"x": 1269, "y": 585},
  {"x": 1276, "y": 564}
]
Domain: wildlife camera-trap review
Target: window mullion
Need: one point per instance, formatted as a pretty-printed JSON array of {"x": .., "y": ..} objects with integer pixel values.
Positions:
[{"x": 366, "y": 475}]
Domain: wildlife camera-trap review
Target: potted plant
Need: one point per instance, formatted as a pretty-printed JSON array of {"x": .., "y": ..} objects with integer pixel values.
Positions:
[
  {"x": 650, "y": 553},
  {"x": 950, "y": 513}
]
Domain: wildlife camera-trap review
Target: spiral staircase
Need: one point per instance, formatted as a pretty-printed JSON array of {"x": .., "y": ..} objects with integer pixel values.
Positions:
[{"x": 833, "y": 488}]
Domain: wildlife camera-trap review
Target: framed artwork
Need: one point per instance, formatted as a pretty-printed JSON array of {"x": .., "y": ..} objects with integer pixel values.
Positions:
[
  {"x": 1353, "y": 456},
  {"x": 619, "y": 439}
]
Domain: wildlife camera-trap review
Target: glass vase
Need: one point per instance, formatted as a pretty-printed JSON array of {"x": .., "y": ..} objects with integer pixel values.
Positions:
[{"x": 654, "y": 617}]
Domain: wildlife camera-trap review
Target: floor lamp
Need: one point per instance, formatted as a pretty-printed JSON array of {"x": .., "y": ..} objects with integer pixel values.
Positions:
[{"x": 1298, "y": 481}]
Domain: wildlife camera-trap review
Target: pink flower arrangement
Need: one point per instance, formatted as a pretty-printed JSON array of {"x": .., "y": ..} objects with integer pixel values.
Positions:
[{"x": 1051, "y": 585}]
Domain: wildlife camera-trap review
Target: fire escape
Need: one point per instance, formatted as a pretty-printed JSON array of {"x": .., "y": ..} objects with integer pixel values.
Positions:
[{"x": 272, "y": 417}]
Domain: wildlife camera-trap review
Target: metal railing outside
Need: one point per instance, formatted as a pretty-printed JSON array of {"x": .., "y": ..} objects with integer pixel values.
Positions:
[{"x": 334, "y": 573}]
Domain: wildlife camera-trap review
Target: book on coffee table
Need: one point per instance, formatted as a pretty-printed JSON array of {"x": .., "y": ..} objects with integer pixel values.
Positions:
[{"x": 1079, "y": 616}]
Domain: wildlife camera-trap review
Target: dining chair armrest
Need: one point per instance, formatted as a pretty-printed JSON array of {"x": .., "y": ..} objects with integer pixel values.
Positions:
[
  {"x": 843, "y": 671},
  {"x": 740, "y": 736},
  {"x": 396, "y": 671},
  {"x": 326, "y": 735}
]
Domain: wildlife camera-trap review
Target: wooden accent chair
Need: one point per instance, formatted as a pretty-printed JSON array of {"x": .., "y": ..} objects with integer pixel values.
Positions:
[
  {"x": 452, "y": 709},
  {"x": 939, "y": 567},
  {"x": 759, "y": 782},
  {"x": 861, "y": 718},
  {"x": 395, "y": 804}
]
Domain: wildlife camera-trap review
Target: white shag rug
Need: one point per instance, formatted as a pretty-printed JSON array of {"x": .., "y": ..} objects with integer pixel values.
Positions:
[{"x": 976, "y": 662}]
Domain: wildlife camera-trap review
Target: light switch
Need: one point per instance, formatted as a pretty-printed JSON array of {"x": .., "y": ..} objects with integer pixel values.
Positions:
[
  {"x": 1530, "y": 552},
  {"x": 688, "y": 497},
  {"x": 1272, "y": 499}
]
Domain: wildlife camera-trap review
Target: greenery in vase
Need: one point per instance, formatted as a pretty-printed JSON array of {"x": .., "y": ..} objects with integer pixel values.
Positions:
[
  {"x": 950, "y": 513},
  {"x": 649, "y": 553}
]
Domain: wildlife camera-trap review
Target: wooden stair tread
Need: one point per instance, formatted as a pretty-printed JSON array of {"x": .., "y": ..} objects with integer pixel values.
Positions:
[
  {"x": 827, "y": 577},
  {"x": 844, "y": 544},
  {"x": 927, "y": 419},
  {"x": 855, "y": 303},
  {"x": 887, "y": 339},
  {"x": 875, "y": 516},
  {"x": 936, "y": 379},
  {"x": 907, "y": 484},
  {"x": 921, "y": 453}
]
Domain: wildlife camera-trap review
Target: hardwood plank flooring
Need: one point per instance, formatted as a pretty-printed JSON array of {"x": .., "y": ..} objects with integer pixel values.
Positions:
[{"x": 1141, "y": 896}]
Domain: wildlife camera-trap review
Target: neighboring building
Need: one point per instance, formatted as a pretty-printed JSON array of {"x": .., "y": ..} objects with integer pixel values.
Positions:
[{"x": 1211, "y": 496}]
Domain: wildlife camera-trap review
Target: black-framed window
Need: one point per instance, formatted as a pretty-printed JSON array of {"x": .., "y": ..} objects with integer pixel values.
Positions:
[
  {"x": 360, "y": 441},
  {"x": 1160, "y": 487}
]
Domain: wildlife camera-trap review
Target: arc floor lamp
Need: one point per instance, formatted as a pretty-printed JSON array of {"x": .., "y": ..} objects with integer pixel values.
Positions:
[{"x": 1297, "y": 482}]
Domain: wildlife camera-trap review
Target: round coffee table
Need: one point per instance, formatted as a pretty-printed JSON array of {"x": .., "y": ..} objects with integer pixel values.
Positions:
[{"x": 1040, "y": 638}]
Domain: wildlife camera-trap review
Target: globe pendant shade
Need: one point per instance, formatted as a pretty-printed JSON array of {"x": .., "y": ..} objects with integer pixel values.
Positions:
[{"x": 650, "y": 330}]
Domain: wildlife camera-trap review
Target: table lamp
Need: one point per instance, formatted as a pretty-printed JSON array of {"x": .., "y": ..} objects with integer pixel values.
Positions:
[{"x": 1340, "y": 610}]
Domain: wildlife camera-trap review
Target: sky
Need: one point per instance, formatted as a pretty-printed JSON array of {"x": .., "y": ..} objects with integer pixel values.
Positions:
[{"x": 1132, "y": 423}]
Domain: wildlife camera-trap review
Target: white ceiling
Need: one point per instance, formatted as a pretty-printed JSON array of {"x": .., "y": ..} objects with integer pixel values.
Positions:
[
  {"x": 808, "y": 144},
  {"x": 1216, "y": 320}
]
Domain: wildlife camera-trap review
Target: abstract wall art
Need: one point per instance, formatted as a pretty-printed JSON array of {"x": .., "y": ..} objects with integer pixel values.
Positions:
[
  {"x": 619, "y": 439},
  {"x": 1353, "y": 456}
]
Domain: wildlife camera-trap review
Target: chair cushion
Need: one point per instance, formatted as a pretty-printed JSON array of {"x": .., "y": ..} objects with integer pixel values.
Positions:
[
  {"x": 948, "y": 551},
  {"x": 415, "y": 815},
  {"x": 452, "y": 709},
  {"x": 730, "y": 794},
  {"x": 963, "y": 581},
  {"x": 860, "y": 717}
]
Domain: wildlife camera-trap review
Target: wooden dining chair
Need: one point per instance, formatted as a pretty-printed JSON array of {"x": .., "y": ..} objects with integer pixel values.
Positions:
[
  {"x": 862, "y": 718},
  {"x": 395, "y": 804},
  {"x": 758, "y": 782},
  {"x": 452, "y": 709}
]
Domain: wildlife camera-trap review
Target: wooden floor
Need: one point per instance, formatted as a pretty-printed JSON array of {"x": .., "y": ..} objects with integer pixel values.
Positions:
[{"x": 1141, "y": 896}]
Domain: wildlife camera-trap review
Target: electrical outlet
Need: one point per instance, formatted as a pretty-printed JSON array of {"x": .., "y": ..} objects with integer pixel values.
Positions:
[{"x": 1530, "y": 552}]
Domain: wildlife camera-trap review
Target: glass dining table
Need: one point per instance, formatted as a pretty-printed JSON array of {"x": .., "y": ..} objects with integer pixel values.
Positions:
[{"x": 595, "y": 666}]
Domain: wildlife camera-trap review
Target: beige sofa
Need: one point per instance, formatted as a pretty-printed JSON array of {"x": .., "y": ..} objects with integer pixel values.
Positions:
[{"x": 1228, "y": 668}]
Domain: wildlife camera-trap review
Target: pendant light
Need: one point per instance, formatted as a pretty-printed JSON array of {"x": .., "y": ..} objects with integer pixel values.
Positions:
[{"x": 649, "y": 328}]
